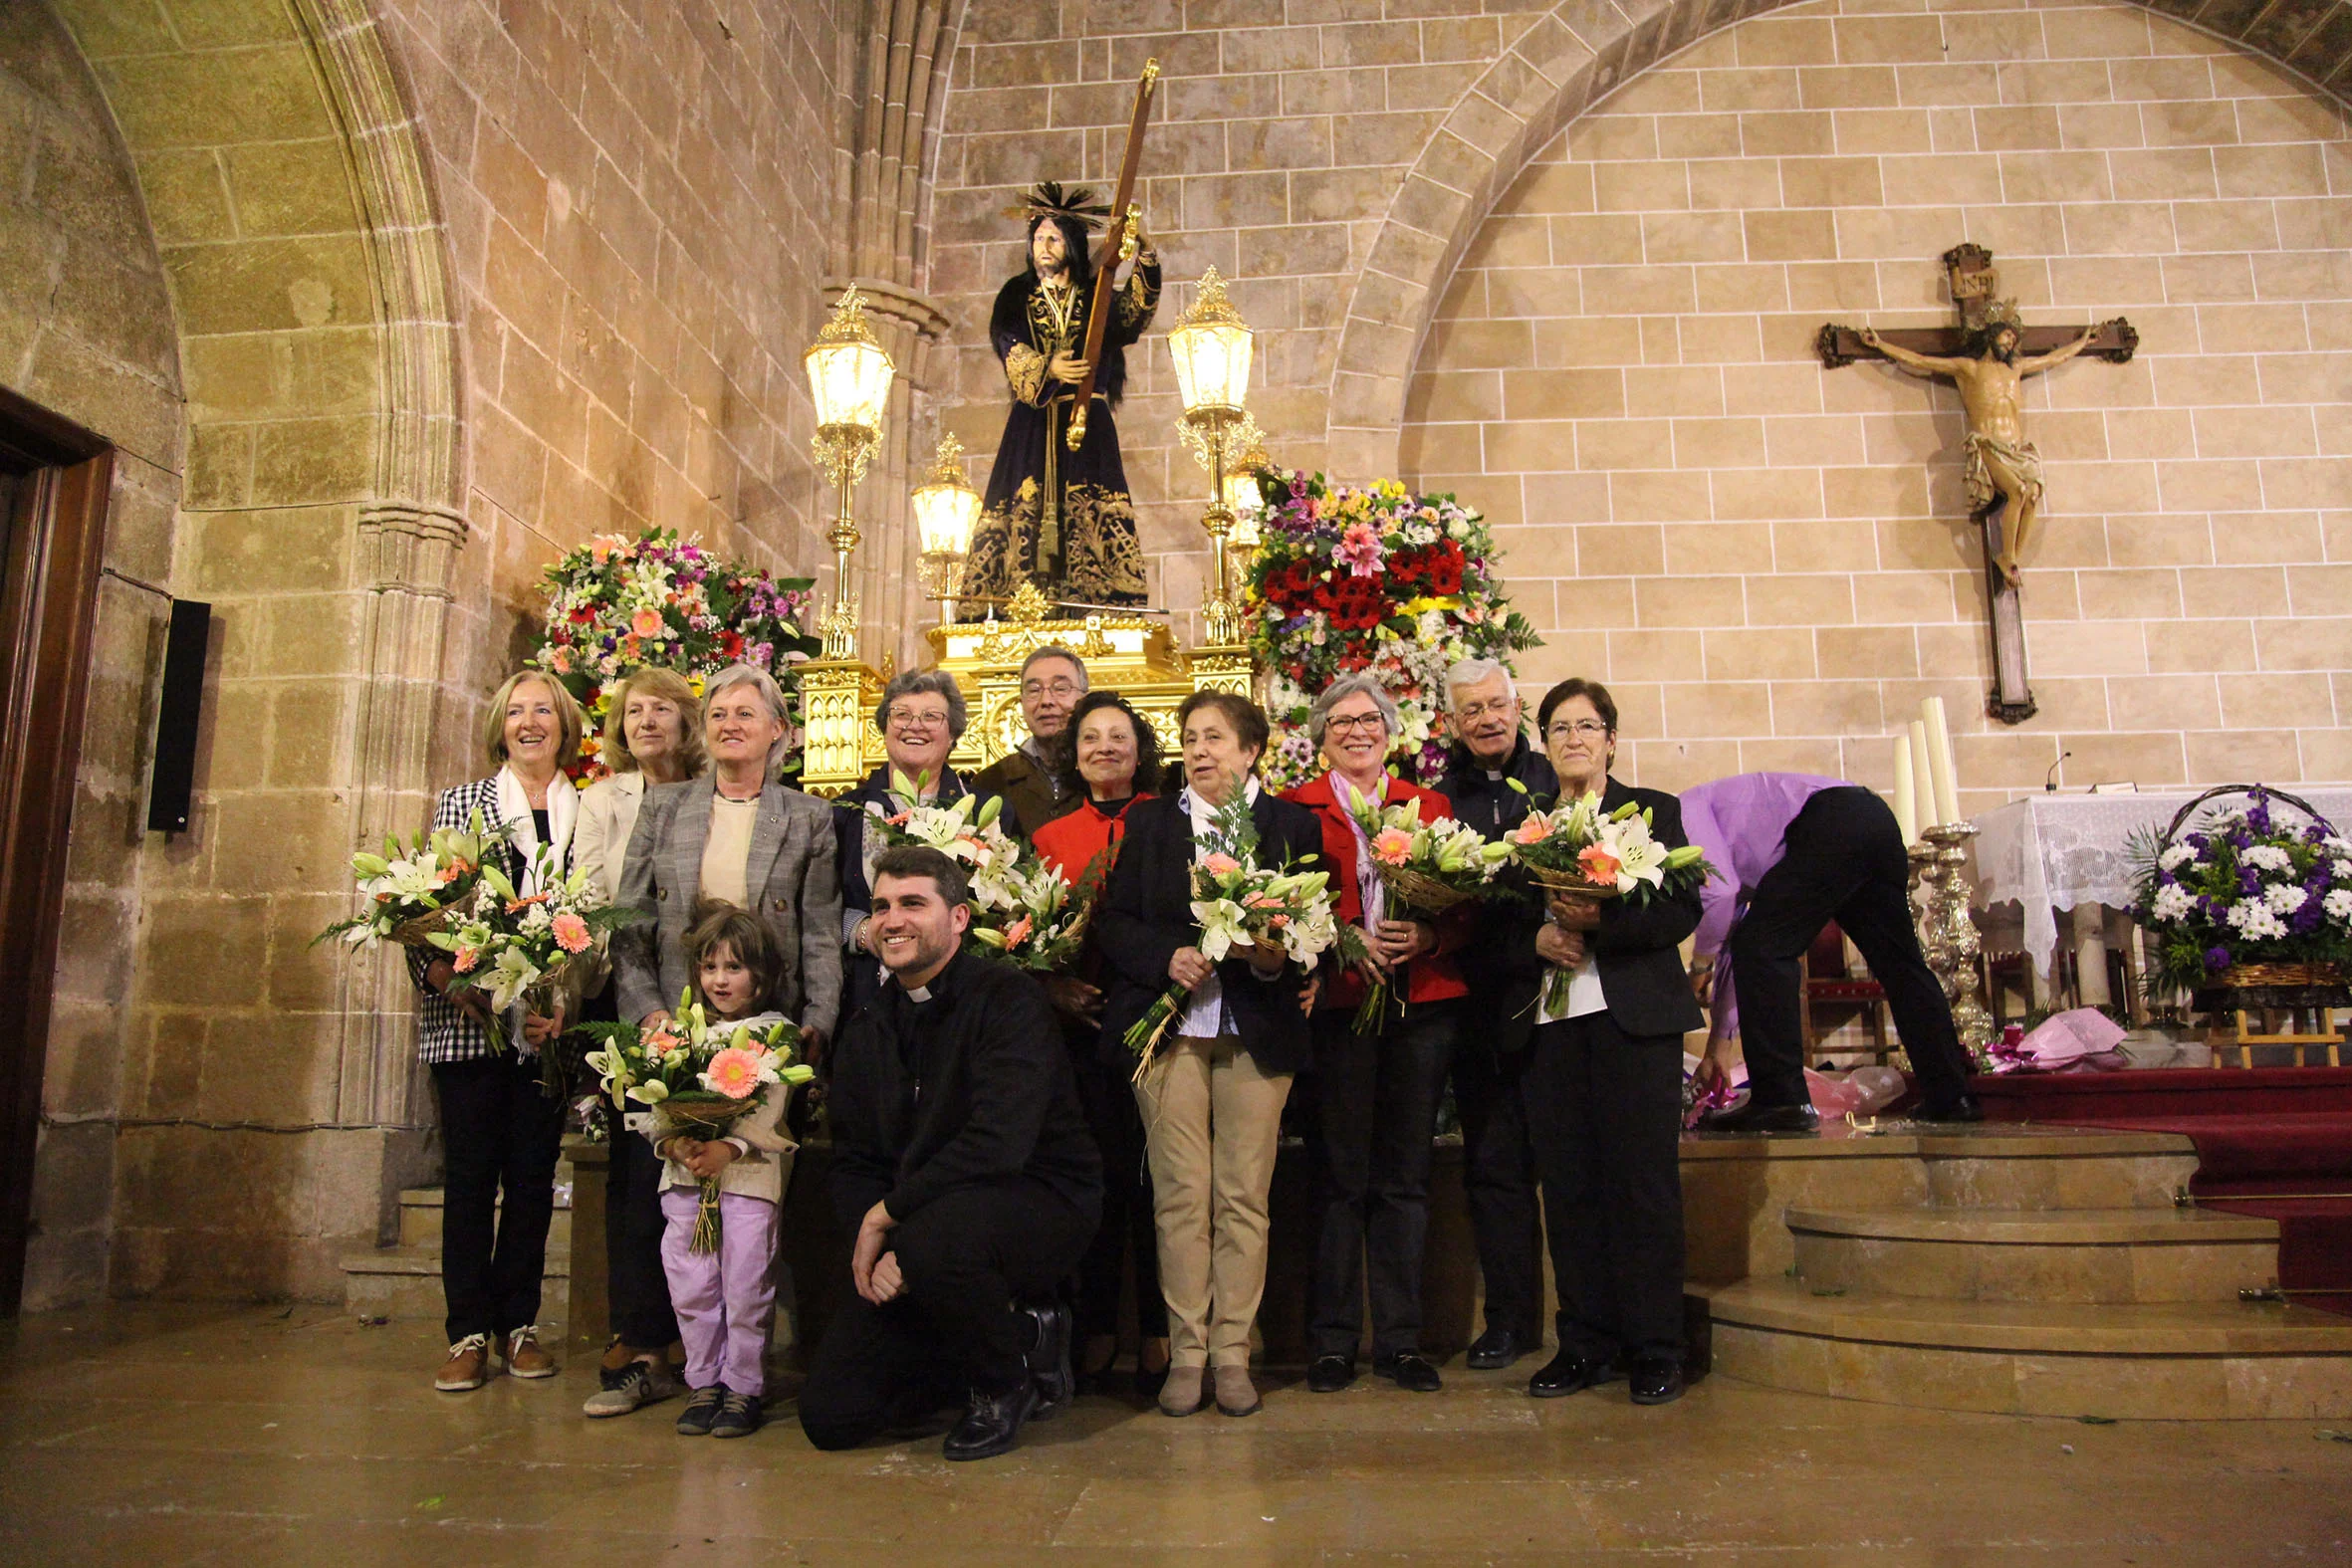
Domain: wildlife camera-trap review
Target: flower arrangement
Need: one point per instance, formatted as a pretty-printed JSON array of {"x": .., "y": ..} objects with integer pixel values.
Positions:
[
  {"x": 1376, "y": 580},
  {"x": 966, "y": 833},
  {"x": 1241, "y": 903},
  {"x": 519, "y": 948},
  {"x": 1580, "y": 852},
  {"x": 414, "y": 889},
  {"x": 2244, "y": 890},
  {"x": 697, "y": 1077},
  {"x": 1424, "y": 868},
  {"x": 1045, "y": 926},
  {"x": 619, "y": 604}
]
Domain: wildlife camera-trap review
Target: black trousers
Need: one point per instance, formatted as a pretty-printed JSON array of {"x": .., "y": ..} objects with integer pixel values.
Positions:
[
  {"x": 1126, "y": 1229},
  {"x": 1846, "y": 861},
  {"x": 1604, "y": 1109},
  {"x": 966, "y": 1257},
  {"x": 637, "y": 1290},
  {"x": 1498, "y": 1176},
  {"x": 1375, "y": 1098},
  {"x": 500, "y": 1140}
]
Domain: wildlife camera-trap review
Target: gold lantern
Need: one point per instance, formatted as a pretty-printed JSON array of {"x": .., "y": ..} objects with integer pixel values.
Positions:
[
  {"x": 850, "y": 375},
  {"x": 1212, "y": 346},
  {"x": 946, "y": 510}
]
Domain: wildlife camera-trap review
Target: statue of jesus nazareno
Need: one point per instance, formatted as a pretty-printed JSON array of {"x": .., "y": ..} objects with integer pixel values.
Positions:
[{"x": 1063, "y": 520}]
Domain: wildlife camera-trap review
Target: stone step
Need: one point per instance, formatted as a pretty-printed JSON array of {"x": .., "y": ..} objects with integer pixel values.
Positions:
[
  {"x": 2079, "y": 1255},
  {"x": 420, "y": 1218},
  {"x": 2152, "y": 1361},
  {"x": 2057, "y": 1168},
  {"x": 406, "y": 1281}
]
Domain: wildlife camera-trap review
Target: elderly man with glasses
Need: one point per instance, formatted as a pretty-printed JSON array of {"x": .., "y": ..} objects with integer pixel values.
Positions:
[{"x": 1031, "y": 776}]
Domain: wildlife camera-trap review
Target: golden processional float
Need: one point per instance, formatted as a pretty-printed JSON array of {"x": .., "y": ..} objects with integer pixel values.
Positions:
[{"x": 1136, "y": 654}]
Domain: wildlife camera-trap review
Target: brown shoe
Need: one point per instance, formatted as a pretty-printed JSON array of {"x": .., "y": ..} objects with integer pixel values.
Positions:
[
  {"x": 1182, "y": 1394},
  {"x": 524, "y": 1358},
  {"x": 618, "y": 1355},
  {"x": 467, "y": 1367},
  {"x": 1236, "y": 1394}
]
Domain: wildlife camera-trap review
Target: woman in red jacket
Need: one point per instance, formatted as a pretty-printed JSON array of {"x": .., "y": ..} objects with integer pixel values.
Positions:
[
  {"x": 1113, "y": 749},
  {"x": 1375, "y": 1095}
]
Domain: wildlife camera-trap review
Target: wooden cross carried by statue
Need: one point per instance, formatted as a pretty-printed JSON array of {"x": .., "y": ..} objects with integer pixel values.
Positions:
[{"x": 1988, "y": 356}]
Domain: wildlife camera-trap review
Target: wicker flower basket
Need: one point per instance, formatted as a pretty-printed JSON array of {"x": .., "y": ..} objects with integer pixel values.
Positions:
[
  {"x": 1415, "y": 890},
  {"x": 1573, "y": 884},
  {"x": 419, "y": 930}
]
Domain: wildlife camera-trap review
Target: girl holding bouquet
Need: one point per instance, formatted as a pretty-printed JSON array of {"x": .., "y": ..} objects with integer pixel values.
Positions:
[
  {"x": 1375, "y": 1093},
  {"x": 1114, "y": 751},
  {"x": 500, "y": 1132},
  {"x": 724, "y": 1298},
  {"x": 1212, "y": 1100},
  {"x": 1604, "y": 1089}
]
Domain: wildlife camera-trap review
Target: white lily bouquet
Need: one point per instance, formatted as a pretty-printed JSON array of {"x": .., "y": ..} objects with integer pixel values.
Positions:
[
  {"x": 1240, "y": 903},
  {"x": 416, "y": 888},
  {"x": 1425, "y": 869},
  {"x": 697, "y": 1077},
  {"x": 968, "y": 833}
]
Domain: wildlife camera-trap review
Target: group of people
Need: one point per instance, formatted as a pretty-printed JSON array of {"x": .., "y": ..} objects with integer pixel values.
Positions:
[{"x": 999, "y": 1160}]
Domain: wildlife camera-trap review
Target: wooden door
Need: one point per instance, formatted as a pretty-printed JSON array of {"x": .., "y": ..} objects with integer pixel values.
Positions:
[{"x": 57, "y": 482}]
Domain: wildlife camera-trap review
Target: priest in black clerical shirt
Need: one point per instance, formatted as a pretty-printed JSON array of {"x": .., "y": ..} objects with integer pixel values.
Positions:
[{"x": 962, "y": 1158}]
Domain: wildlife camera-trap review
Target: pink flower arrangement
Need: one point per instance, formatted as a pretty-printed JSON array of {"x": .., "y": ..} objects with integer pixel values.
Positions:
[
  {"x": 571, "y": 933},
  {"x": 1359, "y": 550},
  {"x": 1219, "y": 865},
  {"x": 1392, "y": 846},
  {"x": 735, "y": 1072}
]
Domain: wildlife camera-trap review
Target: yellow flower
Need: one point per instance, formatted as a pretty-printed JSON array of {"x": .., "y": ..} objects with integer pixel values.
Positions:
[{"x": 694, "y": 684}]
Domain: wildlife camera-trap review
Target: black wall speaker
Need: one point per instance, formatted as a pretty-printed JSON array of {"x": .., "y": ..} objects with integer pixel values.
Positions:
[{"x": 175, "y": 777}]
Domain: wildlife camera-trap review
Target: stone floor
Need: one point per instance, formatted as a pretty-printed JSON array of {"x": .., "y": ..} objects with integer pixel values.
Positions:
[{"x": 150, "y": 1436}]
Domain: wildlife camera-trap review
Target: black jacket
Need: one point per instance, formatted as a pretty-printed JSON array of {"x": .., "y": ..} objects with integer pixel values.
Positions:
[
  {"x": 1636, "y": 946},
  {"x": 1500, "y": 962},
  {"x": 1147, "y": 915},
  {"x": 969, "y": 1088}
]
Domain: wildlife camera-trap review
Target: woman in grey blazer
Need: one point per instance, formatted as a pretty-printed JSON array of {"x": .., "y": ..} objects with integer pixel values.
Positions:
[{"x": 735, "y": 834}]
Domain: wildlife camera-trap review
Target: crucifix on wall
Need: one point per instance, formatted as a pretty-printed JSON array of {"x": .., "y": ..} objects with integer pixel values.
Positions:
[{"x": 1988, "y": 357}]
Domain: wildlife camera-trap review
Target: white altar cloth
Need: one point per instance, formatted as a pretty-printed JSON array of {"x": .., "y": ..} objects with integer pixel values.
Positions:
[{"x": 2048, "y": 852}]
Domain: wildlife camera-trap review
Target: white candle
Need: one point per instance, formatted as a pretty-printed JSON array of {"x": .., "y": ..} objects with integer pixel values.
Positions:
[
  {"x": 1923, "y": 805},
  {"x": 1943, "y": 777},
  {"x": 1905, "y": 792}
]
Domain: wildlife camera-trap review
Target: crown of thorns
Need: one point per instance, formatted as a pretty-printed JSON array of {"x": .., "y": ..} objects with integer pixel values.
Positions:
[
  {"x": 2002, "y": 313},
  {"x": 1047, "y": 199}
]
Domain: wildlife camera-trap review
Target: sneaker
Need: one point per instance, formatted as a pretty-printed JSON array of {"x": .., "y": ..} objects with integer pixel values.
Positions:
[
  {"x": 739, "y": 1416},
  {"x": 633, "y": 1387},
  {"x": 468, "y": 1366},
  {"x": 702, "y": 1410},
  {"x": 524, "y": 1358}
]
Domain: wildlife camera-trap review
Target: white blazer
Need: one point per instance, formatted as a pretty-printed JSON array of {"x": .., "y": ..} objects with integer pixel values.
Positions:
[{"x": 607, "y": 816}]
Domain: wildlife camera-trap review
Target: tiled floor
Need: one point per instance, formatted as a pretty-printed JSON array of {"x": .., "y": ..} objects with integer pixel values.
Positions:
[{"x": 146, "y": 1435}]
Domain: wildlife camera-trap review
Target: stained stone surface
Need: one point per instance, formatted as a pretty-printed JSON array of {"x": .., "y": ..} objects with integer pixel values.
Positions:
[{"x": 170, "y": 1435}]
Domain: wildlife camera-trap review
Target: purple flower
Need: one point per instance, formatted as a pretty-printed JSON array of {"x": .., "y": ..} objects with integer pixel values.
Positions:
[
  {"x": 2249, "y": 881},
  {"x": 2216, "y": 958}
]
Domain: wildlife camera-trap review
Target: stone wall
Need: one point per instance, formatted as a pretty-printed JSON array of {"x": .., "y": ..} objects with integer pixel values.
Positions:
[
  {"x": 86, "y": 331},
  {"x": 1767, "y": 560}
]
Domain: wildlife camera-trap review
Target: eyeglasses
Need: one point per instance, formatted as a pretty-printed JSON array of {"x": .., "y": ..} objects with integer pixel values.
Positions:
[
  {"x": 1472, "y": 711},
  {"x": 1064, "y": 687},
  {"x": 917, "y": 721},
  {"x": 1342, "y": 723},
  {"x": 1588, "y": 728}
]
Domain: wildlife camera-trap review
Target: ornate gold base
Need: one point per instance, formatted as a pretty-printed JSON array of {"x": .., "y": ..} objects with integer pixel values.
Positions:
[{"x": 1133, "y": 655}]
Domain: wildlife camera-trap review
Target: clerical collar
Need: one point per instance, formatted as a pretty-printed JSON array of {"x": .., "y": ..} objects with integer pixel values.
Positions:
[
  {"x": 917, "y": 993},
  {"x": 1493, "y": 776}
]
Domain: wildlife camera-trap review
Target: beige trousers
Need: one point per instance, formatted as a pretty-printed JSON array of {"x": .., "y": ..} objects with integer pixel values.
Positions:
[{"x": 1211, "y": 1125}]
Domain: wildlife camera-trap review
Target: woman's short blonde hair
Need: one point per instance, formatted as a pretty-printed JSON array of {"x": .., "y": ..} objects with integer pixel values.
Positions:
[
  {"x": 671, "y": 687},
  {"x": 567, "y": 720}
]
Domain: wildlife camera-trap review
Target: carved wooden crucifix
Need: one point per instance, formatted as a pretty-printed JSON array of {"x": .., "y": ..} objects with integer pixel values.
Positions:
[{"x": 1988, "y": 356}]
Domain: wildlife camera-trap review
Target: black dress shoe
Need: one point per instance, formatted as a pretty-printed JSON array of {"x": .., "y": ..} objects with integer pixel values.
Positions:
[
  {"x": 1330, "y": 1374},
  {"x": 992, "y": 1423},
  {"x": 1410, "y": 1371},
  {"x": 1049, "y": 1358},
  {"x": 1657, "y": 1380},
  {"x": 1755, "y": 1119},
  {"x": 1568, "y": 1373},
  {"x": 1967, "y": 1108},
  {"x": 1149, "y": 1381},
  {"x": 1495, "y": 1349}
]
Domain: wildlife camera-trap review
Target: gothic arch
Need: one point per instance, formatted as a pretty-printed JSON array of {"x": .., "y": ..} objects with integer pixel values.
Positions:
[{"x": 1556, "y": 69}]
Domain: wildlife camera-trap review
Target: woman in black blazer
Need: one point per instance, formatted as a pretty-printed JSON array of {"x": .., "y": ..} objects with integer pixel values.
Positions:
[
  {"x": 1212, "y": 1101},
  {"x": 1603, "y": 1091}
]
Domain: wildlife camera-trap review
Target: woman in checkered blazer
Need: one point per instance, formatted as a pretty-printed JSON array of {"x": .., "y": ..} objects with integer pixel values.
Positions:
[{"x": 500, "y": 1133}]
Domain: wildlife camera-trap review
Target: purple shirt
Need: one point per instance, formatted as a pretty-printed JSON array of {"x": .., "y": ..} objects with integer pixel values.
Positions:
[{"x": 1743, "y": 824}]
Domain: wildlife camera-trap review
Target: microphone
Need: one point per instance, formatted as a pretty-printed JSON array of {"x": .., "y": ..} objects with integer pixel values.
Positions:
[{"x": 2049, "y": 784}]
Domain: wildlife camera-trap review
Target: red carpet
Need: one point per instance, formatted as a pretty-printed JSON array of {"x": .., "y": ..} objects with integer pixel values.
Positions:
[{"x": 2275, "y": 1142}]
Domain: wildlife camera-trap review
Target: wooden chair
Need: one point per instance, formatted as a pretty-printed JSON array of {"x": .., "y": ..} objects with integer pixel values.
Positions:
[{"x": 1830, "y": 980}]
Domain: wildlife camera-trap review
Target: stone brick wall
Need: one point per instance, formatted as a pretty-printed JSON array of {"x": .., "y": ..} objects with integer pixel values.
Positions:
[
  {"x": 1767, "y": 560},
  {"x": 86, "y": 331}
]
